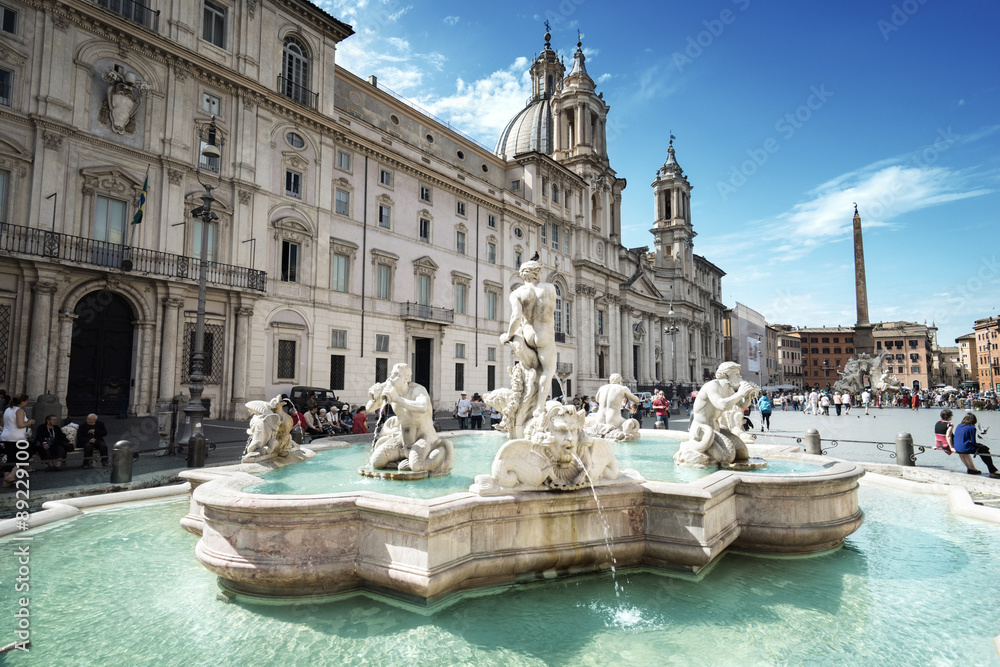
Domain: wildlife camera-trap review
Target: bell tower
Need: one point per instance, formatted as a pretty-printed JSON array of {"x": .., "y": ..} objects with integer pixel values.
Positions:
[
  {"x": 546, "y": 72},
  {"x": 580, "y": 116},
  {"x": 673, "y": 234}
]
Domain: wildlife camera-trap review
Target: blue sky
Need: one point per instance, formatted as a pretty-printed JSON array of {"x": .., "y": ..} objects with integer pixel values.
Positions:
[{"x": 785, "y": 113}]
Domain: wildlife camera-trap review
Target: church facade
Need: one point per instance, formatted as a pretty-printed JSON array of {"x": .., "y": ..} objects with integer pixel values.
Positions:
[{"x": 354, "y": 231}]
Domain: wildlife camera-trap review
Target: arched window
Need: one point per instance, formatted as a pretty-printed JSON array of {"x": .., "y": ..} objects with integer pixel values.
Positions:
[
  {"x": 295, "y": 72},
  {"x": 559, "y": 310}
]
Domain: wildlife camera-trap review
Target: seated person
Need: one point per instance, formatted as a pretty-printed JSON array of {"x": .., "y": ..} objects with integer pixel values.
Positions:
[
  {"x": 310, "y": 422},
  {"x": 324, "y": 422},
  {"x": 51, "y": 444},
  {"x": 360, "y": 421}
]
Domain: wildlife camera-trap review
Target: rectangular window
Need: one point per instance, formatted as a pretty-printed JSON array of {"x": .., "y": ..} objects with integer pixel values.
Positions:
[
  {"x": 491, "y": 253},
  {"x": 381, "y": 369},
  {"x": 385, "y": 177},
  {"x": 555, "y": 236},
  {"x": 338, "y": 363},
  {"x": 545, "y": 186},
  {"x": 545, "y": 231},
  {"x": 343, "y": 160},
  {"x": 109, "y": 220},
  {"x": 460, "y": 242},
  {"x": 340, "y": 272},
  {"x": 836, "y": 350},
  {"x": 460, "y": 350},
  {"x": 293, "y": 184},
  {"x": 491, "y": 378},
  {"x": 460, "y": 208},
  {"x": 425, "y": 193},
  {"x": 289, "y": 262},
  {"x": 491, "y": 354},
  {"x": 424, "y": 290},
  {"x": 384, "y": 217},
  {"x": 461, "y": 298},
  {"x": 491, "y": 306},
  {"x": 459, "y": 377},
  {"x": 286, "y": 360},
  {"x": 207, "y": 163},
  {"x": 210, "y": 104},
  {"x": 214, "y": 30},
  {"x": 566, "y": 239},
  {"x": 196, "y": 240},
  {"x": 338, "y": 339},
  {"x": 517, "y": 259},
  {"x": 491, "y": 220},
  {"x": 383, "y": 282},
  {"x": 343, "y": 204},
  {"x": 515, "y": 185},
  {"x": 381, "y": 342},
  {"x": 555, "y": 193},
  {"x": 8, "y": 20},
  {"x": 569, "y": 319},
  {"x": 600, "y": 323},
  {"x": 425, "y": 230}
]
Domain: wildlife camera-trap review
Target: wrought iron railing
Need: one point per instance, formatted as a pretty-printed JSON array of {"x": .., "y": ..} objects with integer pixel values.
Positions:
[
  {"x": 415, "y": 311},
  {"x": 134, "y": 11},
  {"x": 297, "y": 92},
  {"x": 18, "y": 240},
  {"x": 560, "y": 337}
]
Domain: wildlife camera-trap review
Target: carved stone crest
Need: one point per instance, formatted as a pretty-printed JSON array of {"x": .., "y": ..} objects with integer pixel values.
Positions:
[{"x": 124, "y": 95}]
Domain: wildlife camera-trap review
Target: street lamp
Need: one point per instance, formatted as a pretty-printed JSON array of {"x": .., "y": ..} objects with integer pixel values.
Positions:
[
  {"x": 194, "y": 437},
  {"x": 672, "y": 329}
]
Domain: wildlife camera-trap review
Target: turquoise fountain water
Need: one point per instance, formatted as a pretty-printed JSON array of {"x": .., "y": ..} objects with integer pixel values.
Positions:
[
  {"x": 335, "y": 471},
  {"x": 119, "y": 587}
]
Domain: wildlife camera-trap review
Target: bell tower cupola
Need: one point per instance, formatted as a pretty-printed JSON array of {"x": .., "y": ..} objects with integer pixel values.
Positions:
[{"x": 672, "y": 231}]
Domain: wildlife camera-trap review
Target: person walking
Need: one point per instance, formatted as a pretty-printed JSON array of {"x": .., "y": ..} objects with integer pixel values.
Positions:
[
  {"x": 476, "y": 413},
  {"x": 845, "y": 400},
  {"x": 661, "y": 407},
  {"x": 764, "y": 405},
  {"x": 866, "y": 399},
  {"x": 967, "y": 447},
  {"x": 463, "y": 408},
  {"x": 838, "y": 402}
]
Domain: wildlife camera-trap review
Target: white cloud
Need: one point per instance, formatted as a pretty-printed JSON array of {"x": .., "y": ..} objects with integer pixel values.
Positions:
[
  {"x": 451, "y": 20},
  {"x": 883, "y": 196},
  {"x": 482, "y": 108},
  {"x": 601, "y": 79}
]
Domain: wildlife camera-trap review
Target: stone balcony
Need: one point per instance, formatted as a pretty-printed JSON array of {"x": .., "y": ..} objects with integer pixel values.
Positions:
[{"x": 70, "y": 250}]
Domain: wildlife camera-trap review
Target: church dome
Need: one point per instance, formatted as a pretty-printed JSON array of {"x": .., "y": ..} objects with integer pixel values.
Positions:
[{"x": 529, "y": 130}]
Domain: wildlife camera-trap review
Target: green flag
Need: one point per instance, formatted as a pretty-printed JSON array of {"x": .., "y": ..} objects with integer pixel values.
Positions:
[{"x": 137, "y": 218}]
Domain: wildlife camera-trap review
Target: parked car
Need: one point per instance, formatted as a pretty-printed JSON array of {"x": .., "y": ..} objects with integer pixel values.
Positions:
[
  {"x": 646, "y": 400},
  {"x": 305, "y": 397}
]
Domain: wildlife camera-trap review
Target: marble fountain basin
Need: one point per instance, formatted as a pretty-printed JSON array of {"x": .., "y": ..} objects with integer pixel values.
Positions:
[{"x": 300, "y": 546}]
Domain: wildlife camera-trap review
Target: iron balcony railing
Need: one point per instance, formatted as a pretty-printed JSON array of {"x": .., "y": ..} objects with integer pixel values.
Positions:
[
  {"x": 564, "y": 368},
  {"x": 134, "y": 11},
  {"x": 18, "y": 240},
  {"x": 415, "y": 311},
  {"x": 297, "y": 92},
  {"x": 560, "y": 337}
]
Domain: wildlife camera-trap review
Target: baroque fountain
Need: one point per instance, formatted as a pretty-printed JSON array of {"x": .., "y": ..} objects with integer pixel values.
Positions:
[{"x": 554, "y": 502}]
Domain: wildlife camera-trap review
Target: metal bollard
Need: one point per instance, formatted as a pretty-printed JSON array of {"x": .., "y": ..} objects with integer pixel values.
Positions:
[
  {"x": 904, "y": 450},
  {"x": 121, "y": 462},
  {"x": 298, "y": 435},
  {"x": 814, "y": 444},
  {"x": 196, "y": 451}
]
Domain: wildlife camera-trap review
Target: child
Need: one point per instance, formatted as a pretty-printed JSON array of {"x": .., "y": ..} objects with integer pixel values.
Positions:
[{"x": 944, "y": 433}]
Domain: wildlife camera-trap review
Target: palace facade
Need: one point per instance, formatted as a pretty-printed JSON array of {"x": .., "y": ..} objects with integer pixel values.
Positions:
[{"x": 354, "y": 231}]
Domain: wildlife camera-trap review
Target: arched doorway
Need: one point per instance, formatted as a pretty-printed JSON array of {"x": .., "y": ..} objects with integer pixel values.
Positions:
[{"x": 100, "y": 366}]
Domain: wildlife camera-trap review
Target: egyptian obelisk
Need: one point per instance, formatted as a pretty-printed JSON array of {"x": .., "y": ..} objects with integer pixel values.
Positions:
[{"x": 864, "y": 342}]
